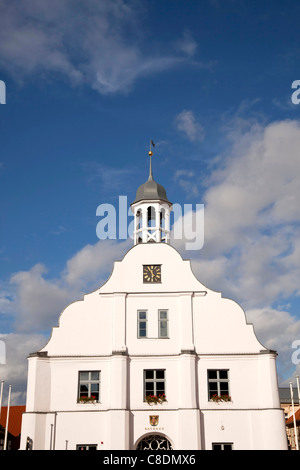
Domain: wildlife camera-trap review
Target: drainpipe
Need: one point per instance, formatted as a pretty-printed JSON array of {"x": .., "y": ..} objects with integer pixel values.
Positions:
[
  {"x": 294, "y": 417},
  {"x": 7, "y": 418}
]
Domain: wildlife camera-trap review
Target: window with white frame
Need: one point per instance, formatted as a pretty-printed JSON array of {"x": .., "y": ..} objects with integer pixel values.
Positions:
[
  {"x": 86, "y": 447},
  {"x": 218, "y": 383},
  {"x": 142, "y": 323},
  {"x": 89, "y": 386},
  {"x": 154, "y": 382},
  {"x": 222, "y": 446},
  {"x": 163, "y": 323}
]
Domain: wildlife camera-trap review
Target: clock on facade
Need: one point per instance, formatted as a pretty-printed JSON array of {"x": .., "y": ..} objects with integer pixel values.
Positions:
[{"x": 152, "y": 273}]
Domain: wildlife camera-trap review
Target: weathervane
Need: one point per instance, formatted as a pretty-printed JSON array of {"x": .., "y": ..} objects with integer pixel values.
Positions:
[
  {"x": 153, "y": 145},
  {"x": 150, "y": 153}
]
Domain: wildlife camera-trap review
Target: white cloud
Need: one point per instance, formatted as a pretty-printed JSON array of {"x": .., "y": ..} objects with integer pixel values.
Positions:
[
  {"x": 95, "y": 43},
  {"x": 251, "y": 251},
  {"x": 14, "y": 371},
  {"x": 252, "y": 216},
  {"x": 186, "y": 122},
  {"x": 277, "y": 330},
  {"x": 187, "y": 44},
  {"x": 251, "y": 247},
  {"x": 93, "y": 262},
  {"x": 38, "y": 300},
  {"x": 186, "y": 179}
]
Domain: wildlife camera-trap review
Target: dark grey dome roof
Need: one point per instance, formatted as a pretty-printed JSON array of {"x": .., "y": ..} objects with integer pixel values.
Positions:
[{"x": 151, "y": 191}]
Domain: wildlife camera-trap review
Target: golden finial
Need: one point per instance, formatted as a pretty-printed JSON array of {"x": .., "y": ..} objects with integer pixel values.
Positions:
[{"x": 150, "y": 153}]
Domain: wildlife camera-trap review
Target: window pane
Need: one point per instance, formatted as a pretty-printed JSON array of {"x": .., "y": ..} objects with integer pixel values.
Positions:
[
  {"x": 224, "y": 388},
  {"x": 217, "y": 447},
  {"x": 142, "y": 315},
  {"x": 142, "y": 333},
  {"x": 160, "y": 374},
  {"x": 227, "y": 446},
  {"x": 149, "y": 374},
  {"x": 95, "y": 375},
  {"x": 163, "y": 328},
  {"x": 163, "y": 314},
  {"x": 84, "y": 389},
  {"x": 212, "y": 374},
  {"x": 213, "y": 386},
  {"x": 149, "y": 388},
  {"x": 160, "y": 387},
  {"x": 223, "y": 374},
  {"x": 84, "y": 376}
]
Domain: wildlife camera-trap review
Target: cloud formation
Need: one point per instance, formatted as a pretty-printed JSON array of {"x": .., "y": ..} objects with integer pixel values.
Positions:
[
  {"x": 14, "y": 372},
  {"x": 252, "y": 215},
  {"x": 100, "y": 45},
  {"x": 251, "y": 249},
  {"x": 37, "y": 299},
  {"x": 186, "y": 122}
]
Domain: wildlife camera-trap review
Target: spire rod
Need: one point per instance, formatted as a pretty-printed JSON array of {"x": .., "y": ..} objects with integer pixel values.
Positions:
[{"x": 150, "y": 153}]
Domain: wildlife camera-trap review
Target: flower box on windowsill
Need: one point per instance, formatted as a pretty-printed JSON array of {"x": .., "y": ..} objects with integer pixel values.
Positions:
[
  {"x": 217, "y": 398},
  {"x": 85, "y": 399},
  {"x": 155, "y": 399}
]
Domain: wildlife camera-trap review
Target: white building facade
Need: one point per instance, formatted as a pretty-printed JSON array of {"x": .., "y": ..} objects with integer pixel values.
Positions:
[{"x": 153, "y": 330}]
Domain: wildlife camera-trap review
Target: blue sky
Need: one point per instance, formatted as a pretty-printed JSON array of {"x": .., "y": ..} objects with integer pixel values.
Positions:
[{"x": 88, "y": 84}]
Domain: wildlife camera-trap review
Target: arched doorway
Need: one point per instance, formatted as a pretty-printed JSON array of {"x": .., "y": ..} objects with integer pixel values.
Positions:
[{"x": 154, "y": 442}]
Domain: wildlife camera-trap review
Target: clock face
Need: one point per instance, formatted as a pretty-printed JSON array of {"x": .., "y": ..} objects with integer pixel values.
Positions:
[{"x": 152, "y": 273}]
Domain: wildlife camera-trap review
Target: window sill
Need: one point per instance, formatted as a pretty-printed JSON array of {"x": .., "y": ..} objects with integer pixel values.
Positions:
[
  {"x": 88, "y": 402},
  {"x": 220, "y": 402},
  {"x": 154, "y": 337}
]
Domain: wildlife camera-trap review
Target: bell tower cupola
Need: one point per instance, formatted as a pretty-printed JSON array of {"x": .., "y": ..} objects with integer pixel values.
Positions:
[{"x": 151, "y": 209}]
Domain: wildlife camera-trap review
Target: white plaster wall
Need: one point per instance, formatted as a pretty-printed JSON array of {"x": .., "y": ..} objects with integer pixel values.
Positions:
[
  {"x": 177, "y": 275},
  {"x": 246, "y": 429},
  {"x": 84, "y": 327},
  {"x": 93, "y": 333},
  {"x": 250, "y": 383},
  {"x": 107, "y": 318}
]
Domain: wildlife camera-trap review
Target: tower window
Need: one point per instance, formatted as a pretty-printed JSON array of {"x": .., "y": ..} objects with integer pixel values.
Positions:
[
  {"x": 163, "y": 324},
  {"x": 142, "y": 324},
  {"x": 151, "y": 216}
]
